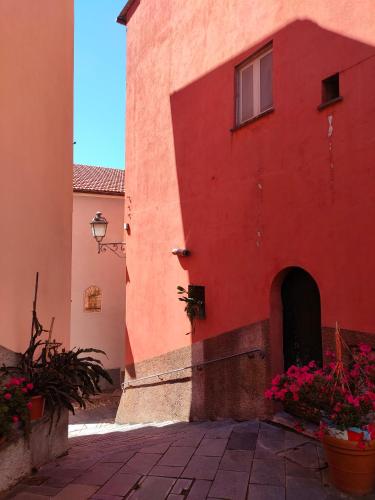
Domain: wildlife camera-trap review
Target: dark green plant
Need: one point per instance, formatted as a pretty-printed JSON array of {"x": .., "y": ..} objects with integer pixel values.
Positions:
[
  {"x": 192, "y": 306},
  {"x": 63, "y": 377}
]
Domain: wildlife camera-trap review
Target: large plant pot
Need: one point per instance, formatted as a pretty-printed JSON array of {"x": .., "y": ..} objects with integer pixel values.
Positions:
[
  {"x": 351, "y": 469},
  {"x": 37, "y": 409}
]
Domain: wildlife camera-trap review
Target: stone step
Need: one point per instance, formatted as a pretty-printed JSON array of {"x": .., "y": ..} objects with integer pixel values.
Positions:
[{"x": 293, "y": 423}]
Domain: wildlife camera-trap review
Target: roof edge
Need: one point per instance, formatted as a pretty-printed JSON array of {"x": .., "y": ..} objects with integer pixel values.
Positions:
[
  {"x": 127, "y": 12},
  {"x": 98, "y": 191}
]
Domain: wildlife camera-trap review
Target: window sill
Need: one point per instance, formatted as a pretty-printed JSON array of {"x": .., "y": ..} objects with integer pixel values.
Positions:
[
  {"x": 254, "y": 119},
  {"x": 324, "y": 105}
]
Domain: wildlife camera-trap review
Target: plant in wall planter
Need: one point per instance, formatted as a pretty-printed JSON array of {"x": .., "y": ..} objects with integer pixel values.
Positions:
[
  {"x": 343, "y": 394},
  {"x": 194, "y": 303}
]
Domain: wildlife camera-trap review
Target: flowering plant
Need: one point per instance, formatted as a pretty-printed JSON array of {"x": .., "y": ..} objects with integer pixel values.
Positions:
[
  {"x": 15, "y": 405},
  {"x": 343, "y": 394}
]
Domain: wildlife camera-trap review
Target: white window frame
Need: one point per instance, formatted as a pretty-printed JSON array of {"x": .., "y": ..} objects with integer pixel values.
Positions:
[{"x": 254, "y": 61}]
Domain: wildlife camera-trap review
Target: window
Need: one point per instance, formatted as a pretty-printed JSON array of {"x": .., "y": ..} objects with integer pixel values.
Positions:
[
  {"x": 254, "y": 87},
  {"x": 93, "y": 299},
  {"x": 330, "y": 88}
]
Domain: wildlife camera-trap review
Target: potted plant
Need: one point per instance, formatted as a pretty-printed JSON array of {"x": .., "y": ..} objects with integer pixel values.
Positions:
[
  {"x": 57, "y": 377},
  {"x": 343, "y": 396},
  {"x": 14, "y": 407}
]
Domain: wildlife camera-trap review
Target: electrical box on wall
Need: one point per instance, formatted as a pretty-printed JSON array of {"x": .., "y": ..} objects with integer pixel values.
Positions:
[{"x": 197, "y": 292}]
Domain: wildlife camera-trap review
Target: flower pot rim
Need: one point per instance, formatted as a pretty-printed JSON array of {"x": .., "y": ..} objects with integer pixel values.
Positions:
[{"x": 345, "y": 443}]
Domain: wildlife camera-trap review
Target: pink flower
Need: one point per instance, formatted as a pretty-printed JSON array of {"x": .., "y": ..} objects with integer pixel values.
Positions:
[
  {"x": 30, "y": 386},
  {"x": 292, "y": 371},
  {"x": 14, "y": 381},
  {"x": 353, "y": 400},
  {"x": 312, "y": 364},
  {"x": 268, "y": 394},
  {"x": 281, "y": 394},
  {"x": 294, "y": 388},
  {"x": 24, "y": 390},
  {"x": 365, "y": 348},
  {"x": 29, "y": 405},
  {"x": 7, "y": 396},
  {"x": 15, "y": 419}
]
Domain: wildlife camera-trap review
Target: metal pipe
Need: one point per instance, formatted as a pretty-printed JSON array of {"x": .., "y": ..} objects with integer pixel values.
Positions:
[{"x": 126, "y": 385}]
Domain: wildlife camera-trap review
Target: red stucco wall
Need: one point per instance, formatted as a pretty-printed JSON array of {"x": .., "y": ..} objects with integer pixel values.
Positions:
[{"x": 276, "y": 193}]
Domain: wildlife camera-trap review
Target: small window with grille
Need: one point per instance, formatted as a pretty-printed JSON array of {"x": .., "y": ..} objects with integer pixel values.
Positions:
[{"x": 93, "y": 299}]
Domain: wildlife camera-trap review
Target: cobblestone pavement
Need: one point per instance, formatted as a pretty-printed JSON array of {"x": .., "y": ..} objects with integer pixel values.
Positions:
[{"x": 181, "y": 461}]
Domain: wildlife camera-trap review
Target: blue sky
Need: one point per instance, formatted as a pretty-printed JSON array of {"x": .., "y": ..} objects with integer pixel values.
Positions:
[{"x": 99, "y": 83}]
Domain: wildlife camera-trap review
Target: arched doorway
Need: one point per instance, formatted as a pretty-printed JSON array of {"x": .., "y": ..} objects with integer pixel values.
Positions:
[{"x": 302, "y": 339}]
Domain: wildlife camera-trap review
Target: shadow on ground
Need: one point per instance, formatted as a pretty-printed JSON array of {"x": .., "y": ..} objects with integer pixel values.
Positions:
[{"x": 219, "y": 460}]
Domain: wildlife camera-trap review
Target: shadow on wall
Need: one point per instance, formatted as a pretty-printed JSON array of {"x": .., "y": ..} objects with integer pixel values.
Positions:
[{"x": 257, "y": 200}]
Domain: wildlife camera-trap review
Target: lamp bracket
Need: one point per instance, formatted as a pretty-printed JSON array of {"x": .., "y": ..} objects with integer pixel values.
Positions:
[{"x": 117, "y": 247}]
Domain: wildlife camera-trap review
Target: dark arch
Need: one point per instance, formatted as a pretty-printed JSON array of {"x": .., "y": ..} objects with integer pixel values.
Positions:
[{"x": 301, "y": 318}]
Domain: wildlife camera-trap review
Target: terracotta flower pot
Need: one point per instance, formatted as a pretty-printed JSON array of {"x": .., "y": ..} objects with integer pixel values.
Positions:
[
  {"x": 351, "y": 469},
  {"x": 37, "y": 409}
]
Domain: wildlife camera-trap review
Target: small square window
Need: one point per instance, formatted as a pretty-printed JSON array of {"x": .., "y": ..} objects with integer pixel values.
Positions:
[
  {"x": 254, "y": 86},
  {"x": 331, "y": 88}
]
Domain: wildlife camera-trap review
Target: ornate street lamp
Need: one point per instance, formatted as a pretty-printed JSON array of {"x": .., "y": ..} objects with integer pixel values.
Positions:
[{"x": 99, "y": 229}]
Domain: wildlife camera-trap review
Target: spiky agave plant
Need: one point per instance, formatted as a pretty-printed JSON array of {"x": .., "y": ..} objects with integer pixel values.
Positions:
[{"x": 63, "y": 377}]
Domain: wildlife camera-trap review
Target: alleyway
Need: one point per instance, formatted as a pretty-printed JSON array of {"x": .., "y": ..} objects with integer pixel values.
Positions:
[{"x": 176, "y": 461}]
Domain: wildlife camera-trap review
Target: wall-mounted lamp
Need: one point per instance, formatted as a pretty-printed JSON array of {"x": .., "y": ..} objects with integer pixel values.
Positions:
[
  {"x": 181, "y": 252},
  {"x": 99, "y": 229}
]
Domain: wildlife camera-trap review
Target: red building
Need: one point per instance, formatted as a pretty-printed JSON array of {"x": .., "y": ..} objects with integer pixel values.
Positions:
[{"x": 251, "y": 143}]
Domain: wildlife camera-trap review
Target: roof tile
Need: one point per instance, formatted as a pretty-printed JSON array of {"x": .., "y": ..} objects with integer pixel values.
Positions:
[{"x": 100, "y": 180}]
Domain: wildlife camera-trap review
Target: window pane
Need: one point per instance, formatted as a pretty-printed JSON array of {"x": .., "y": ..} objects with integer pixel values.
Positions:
[
  {"x": 266, "y": 82},
  {"x": 246, "y": 98}
]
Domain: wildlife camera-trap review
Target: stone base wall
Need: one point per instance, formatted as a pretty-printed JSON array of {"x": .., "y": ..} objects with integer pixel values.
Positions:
[
  {"x": 19, "y": 457},
  {"x": 7, "y": 357},
  {"x": 219, "y": 379},
  {"x": 116, "y": 375}
]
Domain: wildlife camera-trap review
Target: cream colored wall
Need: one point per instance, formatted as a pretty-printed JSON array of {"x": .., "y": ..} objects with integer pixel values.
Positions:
[
  {"x": 36, "y": 133},
  {"x": 103, "y": 330}
]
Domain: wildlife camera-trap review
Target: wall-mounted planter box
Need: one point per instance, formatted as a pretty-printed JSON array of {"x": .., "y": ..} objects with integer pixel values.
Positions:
[
  {"x": 197, "y": 292},
  {"x": 20, "y": 456}
]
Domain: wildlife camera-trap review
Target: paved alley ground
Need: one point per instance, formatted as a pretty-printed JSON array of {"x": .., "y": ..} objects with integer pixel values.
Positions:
[{"x": 181, "y": 461}]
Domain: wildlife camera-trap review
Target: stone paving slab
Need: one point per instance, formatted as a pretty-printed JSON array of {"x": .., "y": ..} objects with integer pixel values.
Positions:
[
  {"x": 202, "y": 468},
  {"x": 141, "y": 463},
  {"x": 271, "y": 472},
  {"x": 212, "y": 447},
  {"x": 166, "y": 471},
  {"x": 183, "y": 461},
  {"x": 155, "y": 488},
  {"x": 119, "y": 484},
  {"x": 231, "y": 485},
  {"x": 237, "y": 460},
  {"x": 177, "y": 456},
  {"x": 181, "y": 486}
]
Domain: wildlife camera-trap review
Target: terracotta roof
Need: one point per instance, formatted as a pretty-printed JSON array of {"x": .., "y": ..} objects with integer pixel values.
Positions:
[{"x": 99, "y": 180}]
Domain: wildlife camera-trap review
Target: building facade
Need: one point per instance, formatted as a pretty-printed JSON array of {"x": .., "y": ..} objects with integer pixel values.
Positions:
[
  {"x": 250, "y": 143},
  {"x": 36, "y": 131},
  {"x": 98, "y": 280}
]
